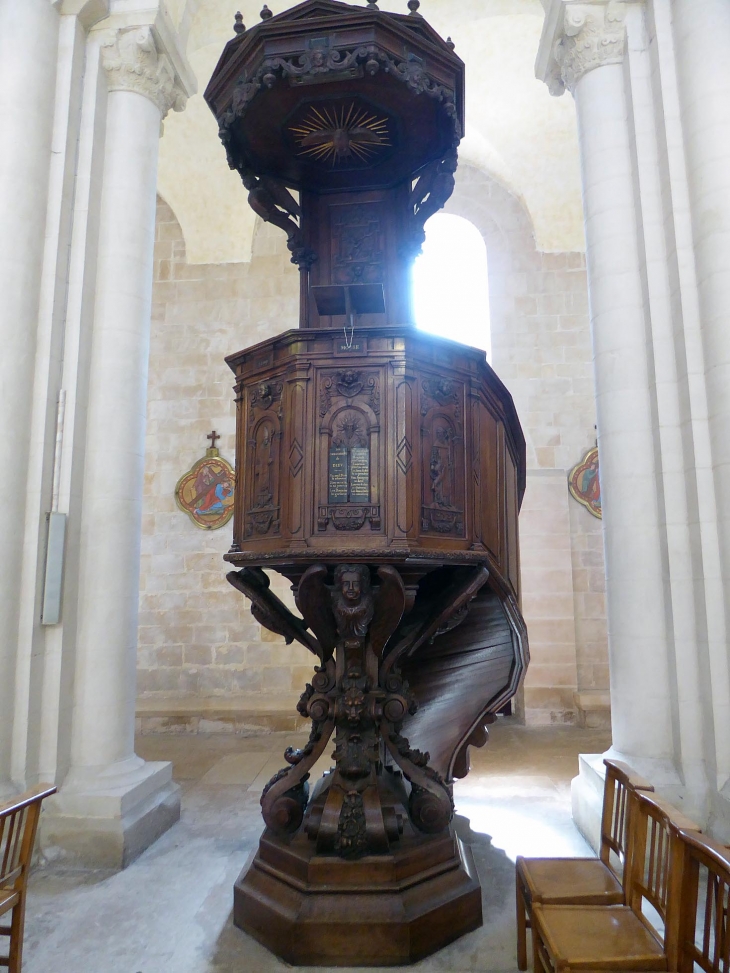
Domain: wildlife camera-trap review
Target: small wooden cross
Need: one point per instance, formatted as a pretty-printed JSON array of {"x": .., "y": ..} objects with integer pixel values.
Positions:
[{"x": 213, "y": 436}]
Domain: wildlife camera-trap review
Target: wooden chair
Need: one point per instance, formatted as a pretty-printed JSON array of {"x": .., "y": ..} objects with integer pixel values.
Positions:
[
  {"x": 703, "y": 937},
  {"x": 621, "y": 937},
  {"x": 18, "y": 826},
  {"x": 584, "y": 881}
]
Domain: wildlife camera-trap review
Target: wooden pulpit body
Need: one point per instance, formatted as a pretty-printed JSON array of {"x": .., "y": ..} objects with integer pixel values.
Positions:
[{"x": 380, "y": 470}]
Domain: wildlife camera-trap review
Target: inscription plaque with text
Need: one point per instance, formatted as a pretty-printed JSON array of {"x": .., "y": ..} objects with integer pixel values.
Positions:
[
  {"x": 338, "y": 475},
  {"x": 359, "y": 474}
]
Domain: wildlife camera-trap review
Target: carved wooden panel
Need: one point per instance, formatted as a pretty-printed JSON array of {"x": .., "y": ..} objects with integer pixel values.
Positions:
[
  {"x": 408, "y": 442},
  {"x": 402, "y": 446},
  {"x": 349, "y": 462},
  {"x": 357, "y": 243},
  {"x": 296, "y": 456},
  {"x": 262, "y": 473},
  {"x": 474, "y": 471},
  {"x": 513, "y": 550},
  {"x": 442, "y": 457},
  {"x": 490, "y": 464},
  {"x": 501, "y": 501}
]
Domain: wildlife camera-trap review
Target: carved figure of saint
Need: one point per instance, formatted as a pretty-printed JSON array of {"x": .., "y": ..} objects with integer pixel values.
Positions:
[
  {"x": 263, "y": 469},
  {"x": 437, "y": 473},
  {"x": 352, "y": 600}
]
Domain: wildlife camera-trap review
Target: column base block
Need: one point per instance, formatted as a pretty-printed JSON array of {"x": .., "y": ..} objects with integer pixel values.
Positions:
[
  {"x": 594, "y": 709},
  {"x": 107, "y": 819},
  {"x": 586, "y": 791},
  {"x": 383, "y": 910}
]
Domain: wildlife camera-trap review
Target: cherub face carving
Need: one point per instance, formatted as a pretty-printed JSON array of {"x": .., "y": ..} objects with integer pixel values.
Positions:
[
  {"x": 350, "y": 586},
  {"x": 352, "y": 600}
]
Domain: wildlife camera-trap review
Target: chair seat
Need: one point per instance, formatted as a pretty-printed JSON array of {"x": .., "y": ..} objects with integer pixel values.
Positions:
[
  {"x": 598, "y": 937},
  {"x": 9, "y": 898},
  {"x": 558, "y": 881}
]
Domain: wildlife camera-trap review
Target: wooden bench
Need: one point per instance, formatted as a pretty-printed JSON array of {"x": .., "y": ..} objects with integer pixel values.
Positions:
[{"x": 18, "y": 827}]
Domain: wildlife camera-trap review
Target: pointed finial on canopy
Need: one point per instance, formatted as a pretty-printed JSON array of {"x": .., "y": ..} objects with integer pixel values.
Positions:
[
  {"x": 239, "y": 27},
  {"x": 265, "y": 14},
  {"x": 413, "y": 6},
  {"x": 373, "y": 5}
]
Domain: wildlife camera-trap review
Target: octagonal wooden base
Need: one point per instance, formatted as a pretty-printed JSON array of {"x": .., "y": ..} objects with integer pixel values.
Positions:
[{"x": 383, "y": 910}]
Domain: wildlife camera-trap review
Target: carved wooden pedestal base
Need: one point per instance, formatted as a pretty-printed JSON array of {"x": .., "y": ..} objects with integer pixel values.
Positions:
[
  {"x": 382, "y": 910},
  {"x": 366, "y": 870}
]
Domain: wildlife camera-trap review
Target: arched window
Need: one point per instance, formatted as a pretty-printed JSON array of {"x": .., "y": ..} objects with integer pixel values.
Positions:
[{"x": 450, "y": 282}]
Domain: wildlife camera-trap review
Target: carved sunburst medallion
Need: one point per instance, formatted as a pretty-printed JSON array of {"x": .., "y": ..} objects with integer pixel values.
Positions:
[{"x": 342, "y": 134}]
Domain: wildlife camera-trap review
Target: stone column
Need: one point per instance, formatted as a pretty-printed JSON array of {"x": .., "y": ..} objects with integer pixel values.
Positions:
[
  {"x": 113, "y": 804},
  {"x": 702, "y": 41},
  {"x": 28, "y": 44},
  {"x": 583, "y": 48}
]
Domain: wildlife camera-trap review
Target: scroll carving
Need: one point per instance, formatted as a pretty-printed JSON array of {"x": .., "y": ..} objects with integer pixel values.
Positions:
[
  {"x": 271, "y": 200},
  {"x": 319, "y": 62},
  {"x": 363, "y": 699},
  {"x": 433, "y": 188},
  {"x": 351, "y": 385},
  {"x": 368, "y": 705},
  {"x": 270, "y": 611}
]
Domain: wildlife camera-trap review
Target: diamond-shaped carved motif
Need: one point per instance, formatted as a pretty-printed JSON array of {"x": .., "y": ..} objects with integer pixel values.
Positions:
[
  {"x": 404, "y": 455},
  {"x": 296, "y": 458}
]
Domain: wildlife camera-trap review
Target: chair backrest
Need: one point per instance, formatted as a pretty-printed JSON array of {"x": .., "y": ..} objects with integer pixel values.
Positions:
[
  {"x": 18, "y": 826},
  {"x": 655, "y": 865},
  {"x": 621, "y": 782},
  {"x": 703, "y": 937}
]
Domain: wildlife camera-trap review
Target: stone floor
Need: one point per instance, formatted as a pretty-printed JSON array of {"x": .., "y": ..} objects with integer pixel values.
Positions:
[{"x": 170, "y": 912}]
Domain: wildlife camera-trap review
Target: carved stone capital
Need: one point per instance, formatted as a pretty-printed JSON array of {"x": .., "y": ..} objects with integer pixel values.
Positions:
[
  {"x": 134, "y": 60},
  {"x": 579, "y": 36}
]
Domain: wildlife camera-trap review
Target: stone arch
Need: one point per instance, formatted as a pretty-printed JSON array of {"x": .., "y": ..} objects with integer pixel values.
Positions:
[{"x": 508, "y": 234}]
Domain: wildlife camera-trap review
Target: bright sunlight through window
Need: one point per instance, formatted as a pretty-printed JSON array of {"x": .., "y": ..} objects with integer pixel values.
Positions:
[{"x": 450, "y": 283}]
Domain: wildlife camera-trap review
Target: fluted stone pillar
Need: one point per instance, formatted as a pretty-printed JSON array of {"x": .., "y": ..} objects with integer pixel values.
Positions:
[
  {"x": 701, "y": 31},
  {"x": 28, "y": 44},
  {"x": 583, "y": 49},
  {"x": 113, "y": 804}
]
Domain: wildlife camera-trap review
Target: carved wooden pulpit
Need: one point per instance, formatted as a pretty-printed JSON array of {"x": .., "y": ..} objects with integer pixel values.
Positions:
[{"x": 380, "y": 470}]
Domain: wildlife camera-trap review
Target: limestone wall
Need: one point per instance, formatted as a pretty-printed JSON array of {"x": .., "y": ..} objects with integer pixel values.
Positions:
[
  {"x": 196, "y": 635},
  {"x": 197, "y": 638}
]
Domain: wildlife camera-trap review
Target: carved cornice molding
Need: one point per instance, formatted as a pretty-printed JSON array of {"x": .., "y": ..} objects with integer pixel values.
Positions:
[
  {"x": 579, "y": 36},
  {"x": 134, "y": 60}
]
